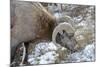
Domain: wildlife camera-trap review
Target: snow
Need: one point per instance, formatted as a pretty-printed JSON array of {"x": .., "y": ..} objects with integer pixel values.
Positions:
[
  {"x": 45, "y": 53},
  {"x": 51, "y": 56},
  {"x": 86, "y": 55},
  {"x": 44, "y": 47}
]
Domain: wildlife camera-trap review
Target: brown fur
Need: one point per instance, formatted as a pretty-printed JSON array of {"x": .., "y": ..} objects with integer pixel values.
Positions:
[{"x": 33, "y": 22}]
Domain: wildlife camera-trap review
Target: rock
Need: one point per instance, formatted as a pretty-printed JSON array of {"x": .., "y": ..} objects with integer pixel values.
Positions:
[
  {"x": 83, "y": 35},
  {"x": 86, "y": 55},
  {"x": 47, "y": 53}
]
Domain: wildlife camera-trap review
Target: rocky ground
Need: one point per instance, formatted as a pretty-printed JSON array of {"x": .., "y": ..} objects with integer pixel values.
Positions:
[{"x": 49, "y": 54}]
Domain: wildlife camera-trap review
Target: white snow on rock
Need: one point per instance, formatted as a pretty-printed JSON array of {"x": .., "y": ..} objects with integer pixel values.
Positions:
[
  {"x": 45, "y": 53},
  {"x": 51, "y": 54},
  {"x": 49, "y": 57},
  {"x": 86, "y": 55},
  {"x": 44, "y": 47}
]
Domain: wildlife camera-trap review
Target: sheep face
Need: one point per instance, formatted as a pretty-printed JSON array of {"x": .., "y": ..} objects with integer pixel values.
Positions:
[{"x": 66, "y": 40}]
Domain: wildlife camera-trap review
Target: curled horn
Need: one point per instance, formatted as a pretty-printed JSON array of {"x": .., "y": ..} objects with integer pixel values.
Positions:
[{"x": 62, "y": 26}]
